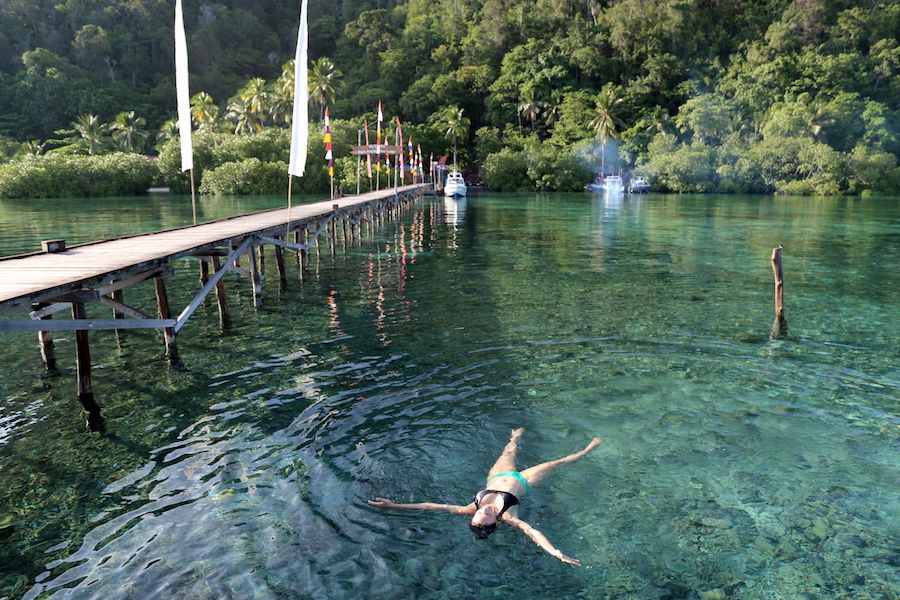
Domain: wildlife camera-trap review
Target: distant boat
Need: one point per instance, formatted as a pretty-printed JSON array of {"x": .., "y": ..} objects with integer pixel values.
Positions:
[
  {"x": 455, "y": 184},
  {"x": 639, "y": 185},
  {"x": 613, "y": 185}
]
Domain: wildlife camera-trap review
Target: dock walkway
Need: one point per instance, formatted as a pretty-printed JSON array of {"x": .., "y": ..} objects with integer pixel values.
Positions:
[{"x": 43, "y": 284}]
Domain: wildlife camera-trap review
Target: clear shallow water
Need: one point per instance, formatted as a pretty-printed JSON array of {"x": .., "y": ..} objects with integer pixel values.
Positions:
[{"x": 731, "y": 464}]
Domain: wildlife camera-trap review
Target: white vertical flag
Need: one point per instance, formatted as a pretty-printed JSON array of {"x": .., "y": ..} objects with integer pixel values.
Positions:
[
  {"x": 183, "y": 91},
  {"x": 300, "y": 121}
]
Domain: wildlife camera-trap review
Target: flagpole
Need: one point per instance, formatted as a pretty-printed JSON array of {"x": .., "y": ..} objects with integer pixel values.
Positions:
[
  {"x": 287, "y": 227},
  {"x": 193, "y": 198},
  {"x": 358, "y": 158}
]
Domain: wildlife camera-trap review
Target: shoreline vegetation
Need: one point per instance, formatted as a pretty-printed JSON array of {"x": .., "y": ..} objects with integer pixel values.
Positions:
[{"x": 797, "y": 97}]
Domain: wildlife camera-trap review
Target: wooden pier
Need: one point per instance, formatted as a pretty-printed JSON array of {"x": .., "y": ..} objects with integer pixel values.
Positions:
[{"x": 46, "y": 283}]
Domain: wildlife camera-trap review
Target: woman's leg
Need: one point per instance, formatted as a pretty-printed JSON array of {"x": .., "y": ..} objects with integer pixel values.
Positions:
[
  {"x": 533, "y": 475},
  {"x": 507, "y": 460}
]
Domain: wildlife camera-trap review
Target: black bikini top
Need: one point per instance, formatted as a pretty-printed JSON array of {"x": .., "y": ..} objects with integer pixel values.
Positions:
[{"x": 509, "y": 500}]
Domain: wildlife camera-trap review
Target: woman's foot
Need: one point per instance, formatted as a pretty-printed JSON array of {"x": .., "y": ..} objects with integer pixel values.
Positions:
[
  {"x": 593, "y": 444},
  {"x": 517, "y": 433}
]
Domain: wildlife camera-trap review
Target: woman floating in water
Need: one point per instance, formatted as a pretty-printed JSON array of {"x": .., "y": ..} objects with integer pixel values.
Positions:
[{"x": 498, "y": 501}]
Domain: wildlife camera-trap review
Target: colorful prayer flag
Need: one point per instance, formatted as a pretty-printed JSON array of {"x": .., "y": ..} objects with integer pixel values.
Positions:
[
  {"x": 368, "y": 156},
  {"x": 329, "y": 155}
]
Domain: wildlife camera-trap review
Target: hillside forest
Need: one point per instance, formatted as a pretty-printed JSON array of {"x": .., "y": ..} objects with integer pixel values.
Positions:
[{"x": 763, "y": 96}]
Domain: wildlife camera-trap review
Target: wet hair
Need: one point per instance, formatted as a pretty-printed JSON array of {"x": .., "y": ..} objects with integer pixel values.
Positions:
[{"x": 482, "y": 531}]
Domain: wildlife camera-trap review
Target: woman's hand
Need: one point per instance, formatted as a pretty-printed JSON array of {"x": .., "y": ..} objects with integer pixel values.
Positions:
[
  {"x": 382, "y": 503},
  {"x": 567, "y": 559}
]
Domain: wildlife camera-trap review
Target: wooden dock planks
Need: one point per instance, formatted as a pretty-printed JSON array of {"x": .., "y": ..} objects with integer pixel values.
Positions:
[{"x": 22, "y": 278}]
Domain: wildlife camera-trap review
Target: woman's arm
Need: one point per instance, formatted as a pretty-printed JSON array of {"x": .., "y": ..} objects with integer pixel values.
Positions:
[
  {"x": 538, "y": 538},
  {"x": 451, "y": 508}
]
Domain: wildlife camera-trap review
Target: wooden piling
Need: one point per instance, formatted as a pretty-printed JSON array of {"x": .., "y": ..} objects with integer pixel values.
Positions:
[
  {"x": 45, "y": 339},
  {"x": 279, "y": 261},
  {"x": 119, "y": 296},
  {"x": 204, "y": 273},
  {"x": 83, "y": 372},
  {"x": 162, "y": 300},
  {"x": 221, "y": 298},
  {"x": 255, "y": 279},
  {"x": 779, "y": 326}
]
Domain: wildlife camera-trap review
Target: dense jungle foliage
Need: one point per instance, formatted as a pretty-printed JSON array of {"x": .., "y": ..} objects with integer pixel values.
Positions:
[{"x": 792, "y": 96}]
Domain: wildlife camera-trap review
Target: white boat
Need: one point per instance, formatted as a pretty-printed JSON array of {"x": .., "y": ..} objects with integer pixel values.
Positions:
[
  {"x": 455, "y": 184},
  {"x": 613, "y": 185},
  {"x": 639, "y": 185}
]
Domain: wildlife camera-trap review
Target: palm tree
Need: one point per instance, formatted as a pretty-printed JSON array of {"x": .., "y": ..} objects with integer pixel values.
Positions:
[
  {"x": 658, "y": 121},
  {"x": 167, "y": 131},
  {"x": 606, "y": 121},
  {"x": 455, "y": 125},
  {"x": 551, "y": 108},
  {"x": 204, "y": 111},
  {"x": 529, "y": 106},
  {"x": 281, "y": 107},
  {"x": 94, "y": 134},
  {"x": 241, "y": 113},
  {"x": 250, "y": 107},
  {"x": 323, "y": 77},
  {"x": 129, "y": 132}
]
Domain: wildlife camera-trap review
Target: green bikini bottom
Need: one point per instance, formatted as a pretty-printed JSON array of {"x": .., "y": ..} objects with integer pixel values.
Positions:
[{"x": 516, "y": 475}]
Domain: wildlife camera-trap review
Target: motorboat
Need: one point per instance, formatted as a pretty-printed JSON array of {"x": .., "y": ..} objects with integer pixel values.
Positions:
[
  {"x": 455, "y": 184},
  {"x": 639, "y": 185},
  {"x": 613, "y": 185}
]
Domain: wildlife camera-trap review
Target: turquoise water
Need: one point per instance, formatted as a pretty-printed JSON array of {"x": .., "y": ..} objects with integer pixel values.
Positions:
[{"x": 732, "y": 465}]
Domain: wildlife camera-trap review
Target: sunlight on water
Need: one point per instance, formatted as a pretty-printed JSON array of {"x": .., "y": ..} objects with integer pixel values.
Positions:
[{"x": 733, "y": 466}]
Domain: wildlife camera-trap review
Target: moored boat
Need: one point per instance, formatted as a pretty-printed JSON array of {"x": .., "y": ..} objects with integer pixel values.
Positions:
[
  {"x": 639, "y": 185},
  {"x": 455, "y": 184}
]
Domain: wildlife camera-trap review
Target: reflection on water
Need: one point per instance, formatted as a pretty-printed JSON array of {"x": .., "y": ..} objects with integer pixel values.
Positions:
[{"x": 732, "y": 465}]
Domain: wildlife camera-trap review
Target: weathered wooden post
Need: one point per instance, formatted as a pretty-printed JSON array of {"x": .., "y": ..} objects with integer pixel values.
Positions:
[
  {"x": 262, "y": 260},
  {"x": 204, "y": 272},
  {"x": 779, "y": 326},
  {"x": 45, "y": 339},
  {"x": 279, "y": 261},
  {"x": 255, "y": 278},
  {"x": 83, "y": 372},
  {"x": 162, "y": 299},
  {"x": 221, "y": 298},
  {"x": 304, "y": 254},
  {"x": 119, "y": 296},
  {"x": 333, "y": 226}
]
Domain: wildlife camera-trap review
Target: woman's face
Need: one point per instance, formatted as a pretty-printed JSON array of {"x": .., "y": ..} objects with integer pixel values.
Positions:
[{"x": 486, "y": 515}]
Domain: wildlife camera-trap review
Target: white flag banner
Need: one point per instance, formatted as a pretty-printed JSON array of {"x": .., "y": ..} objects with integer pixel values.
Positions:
[
  {"x": 300, "y": 121},
  {"x": 183, "y": 91}
]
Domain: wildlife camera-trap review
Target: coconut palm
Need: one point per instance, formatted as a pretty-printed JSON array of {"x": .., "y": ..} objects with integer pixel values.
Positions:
[
  {"x": 323, "y": 78},
  {"x": 281, "y": 107},
  {"x": 529, "y": 105},
  {"x": 455, "y": 125},
  {"x": 658, "y": 121},
  {"x": 204, "y": 112},
  {"x": 606, "y": 121},
  {"x": 94, "y": 133},
  {"x": 167, "y": 131},
  {"x": 129, "y": 132},
  {"x": 241, "y": 114}
]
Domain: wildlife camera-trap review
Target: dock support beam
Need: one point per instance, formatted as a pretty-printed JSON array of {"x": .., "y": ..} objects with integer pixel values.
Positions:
[
  {"x": 45, "y": 339},
  {"x": 221, "y": 298},
  {"x": 83, "y": 370},
  {"x": 279, "y": 261},
  {"x": 118, "y": 296},
  {"x": 255, "y": 279},
  {"x": 162, "y": 299}
]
